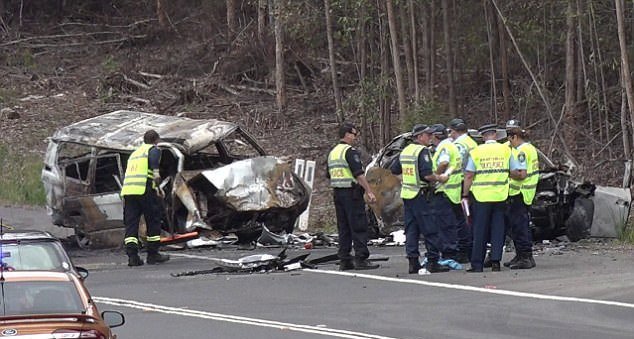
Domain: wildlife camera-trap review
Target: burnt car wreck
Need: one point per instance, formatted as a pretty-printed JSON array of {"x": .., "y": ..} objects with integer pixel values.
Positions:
[
  {"x": 562, "y": 206},
  {"x": 216, "y": 178}
]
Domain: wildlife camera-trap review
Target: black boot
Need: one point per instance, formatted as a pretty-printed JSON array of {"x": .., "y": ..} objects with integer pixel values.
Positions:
[
  {"x": 495, "y": 266},
  {"x": 433, "y": 266},
  {"x": 414, "y": 265},
  {"x": 487, "y": 261},
  {"x": 462, "y": 257},
  {"x": 523, "y": 263},
  {"x": 133, "y": 255},
  {"x": 153, "y": 255},
  {"x": 364, "y": 264},
  {"x": 512, "y": 261},
  {"x": 345, "y": 265}
]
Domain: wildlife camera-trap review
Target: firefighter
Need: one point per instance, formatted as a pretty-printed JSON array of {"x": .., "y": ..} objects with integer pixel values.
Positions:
[
  {"x": 447, "y": 160},
  {"x": 140, "y": 198},
  {"x": 521, "y": 194},
  {"x": 487, "y": 177},
  {"x": 415, "y": 166},
  {"x": 464, "y": 143},
  {"x": 348, "y": 181}
]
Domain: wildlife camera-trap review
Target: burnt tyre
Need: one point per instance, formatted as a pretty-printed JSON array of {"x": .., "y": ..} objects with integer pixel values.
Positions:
[{"x": 580, "y": 221}]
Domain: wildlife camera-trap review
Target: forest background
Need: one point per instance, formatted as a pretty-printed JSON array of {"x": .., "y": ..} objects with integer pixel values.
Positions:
[{"x": 290, "y": 71}]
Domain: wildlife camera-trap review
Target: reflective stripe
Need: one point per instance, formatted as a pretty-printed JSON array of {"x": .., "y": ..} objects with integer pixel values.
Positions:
[
  {"x": 137, "y": 172},
  {"x": 490, "y": 183},
  {"x": 527, "y": 185},
  {"x": 338, "y": 168},
  {"x": 453, "y": 187},
  {"x": 503, "y": 170},
  {"x": 154, "y": 238},
  {"x": 131, "y": 240}
]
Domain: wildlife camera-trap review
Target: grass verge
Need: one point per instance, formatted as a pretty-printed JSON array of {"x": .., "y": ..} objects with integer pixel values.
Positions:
[{"x": 20, "y": 178}]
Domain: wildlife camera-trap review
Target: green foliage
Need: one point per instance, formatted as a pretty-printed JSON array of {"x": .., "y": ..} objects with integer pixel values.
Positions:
[
  {"x": 20, "y": 178},
  {"x": 625, "y": 232},
  {"x": 427, "y": 112},
  {"x": 23, "y": 58},
  {"x": 366, "y": 98},
  {"x": 110, "y": 65},
  {"x": 7, "y": 96}
]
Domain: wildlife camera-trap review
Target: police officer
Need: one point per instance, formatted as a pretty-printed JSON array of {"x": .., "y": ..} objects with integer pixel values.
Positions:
[
  {"x": 447, "y": 162},
  {"x": 487, "y": 177},
  {"x": 348, "y": 181},
  {"x": 140, "y": 198},
  {"x": 415, "y": 165},
  {"x": 464, "y": 143},
  {"x": 521, "y": 194}
]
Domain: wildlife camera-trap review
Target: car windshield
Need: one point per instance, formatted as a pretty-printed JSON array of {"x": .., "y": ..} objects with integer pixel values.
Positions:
[
  {"x": 40, "y": 297},
  {"x": 34, "y": 256}
]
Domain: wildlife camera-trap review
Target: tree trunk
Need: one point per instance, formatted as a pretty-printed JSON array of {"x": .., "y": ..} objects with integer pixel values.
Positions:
[
  {"x": 427, "y": 63},
  {"x": 280, "y": 81},
  {"x": 432, "y": 47},
  {"x": 161, "y": 15},
  {"x": 362, "y": 43},
  {"x": 624, "y": 127},
  {"x": 504, "y": 71},
  {"x": 493, "y": 114},
  {"x": 412, "y": 23},
  {"x": 627, "y": 78},
  {"x": 409, "y": 63},
  {"x": 331, "y": 56},
  {"x": 261, "y": 19},
  {"x": 402, "y": 107},
  {"x": 570, "y": 92},
  {"x": 231, "y": 19},
  {"x": 449, "y": 58}
]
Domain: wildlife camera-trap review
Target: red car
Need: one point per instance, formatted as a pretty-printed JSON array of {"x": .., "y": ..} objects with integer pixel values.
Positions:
[{"x": 51, "y": 305}]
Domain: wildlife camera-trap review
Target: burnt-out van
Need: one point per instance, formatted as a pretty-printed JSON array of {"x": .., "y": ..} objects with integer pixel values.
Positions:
[{"x": 215, "y": 177}]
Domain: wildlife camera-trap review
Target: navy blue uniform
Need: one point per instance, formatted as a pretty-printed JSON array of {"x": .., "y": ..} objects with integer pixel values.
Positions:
[
  {"x": 352, "y": 222},
  {"x": 418, "y": 213}
]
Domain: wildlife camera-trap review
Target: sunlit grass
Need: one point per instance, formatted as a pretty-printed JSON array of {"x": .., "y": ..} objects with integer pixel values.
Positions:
[{"x": 20, "y": 178}]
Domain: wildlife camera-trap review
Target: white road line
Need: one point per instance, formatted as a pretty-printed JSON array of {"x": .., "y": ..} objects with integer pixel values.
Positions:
[
  {"x": 331, "y": 332},
  {"x": 456, "y": 286},
  {"x": 191, "y": 256},
  {"x": 476, "y": 289}
]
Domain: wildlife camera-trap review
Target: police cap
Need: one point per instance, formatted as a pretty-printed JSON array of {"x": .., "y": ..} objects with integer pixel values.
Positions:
[
  {"x": 487, "y": 128},
  {"x": 457, "y": 124},
  {"x": 438, "y": 129},
  {"x": 418, "y": 129},
  {"x": 513, "y": 123}
]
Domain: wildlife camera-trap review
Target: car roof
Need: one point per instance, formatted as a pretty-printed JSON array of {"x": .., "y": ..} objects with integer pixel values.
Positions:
[
  {"x": 14, "y": 276},
  {"x": 123, "y": 130},
  {"x": 26, "y": 235}
]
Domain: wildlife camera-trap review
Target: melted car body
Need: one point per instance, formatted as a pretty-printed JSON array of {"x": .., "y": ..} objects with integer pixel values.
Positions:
[
  {"x": 562, "y": 206},
  {"x": 216, "y": 177}
]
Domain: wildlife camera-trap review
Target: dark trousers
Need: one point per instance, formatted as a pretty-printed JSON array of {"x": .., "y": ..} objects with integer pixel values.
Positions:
[
  {"x": 147, "y": 205},
  {"x": 445, "y": 220},
  {"x": 488, "y": 224},
  {"x": 352, "y": 223},
  {"x": 419, "y": 219},
  {"x": 465, "y": 235},
  {"x": 518, "y": 217}
]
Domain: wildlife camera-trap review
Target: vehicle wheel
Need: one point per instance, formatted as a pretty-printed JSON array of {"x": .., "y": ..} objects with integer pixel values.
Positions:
[
  {"x": 83, "y": 241},
  {"x": 580, "y": 221}
]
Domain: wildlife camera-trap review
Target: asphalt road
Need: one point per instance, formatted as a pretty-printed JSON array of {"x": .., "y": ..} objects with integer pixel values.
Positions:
[{"x": 585, "y": 292}]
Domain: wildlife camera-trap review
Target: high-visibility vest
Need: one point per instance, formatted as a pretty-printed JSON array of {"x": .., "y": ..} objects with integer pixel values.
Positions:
[
  {"x": 338, "y": 168},
  {"x": 491, "y": 180},
  {"x": 528, "y": 185},
  {"x": 453, "y": 186},
  {"x": 137, "y": 172},
  {"x": 412, "y": 182},
  {"x": 467, "y": 142}
]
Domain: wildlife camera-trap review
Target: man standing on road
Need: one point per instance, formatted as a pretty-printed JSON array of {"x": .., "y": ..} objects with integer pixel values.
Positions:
[
  {"x": 348, "y": 181},
  {"x": 415, "y": 166},
  {"x": 140, "y": 198},
  {"x": 447, "y": 161},
  {"x": 521, "y": 194},
  {"x": 487, "y": 177}
]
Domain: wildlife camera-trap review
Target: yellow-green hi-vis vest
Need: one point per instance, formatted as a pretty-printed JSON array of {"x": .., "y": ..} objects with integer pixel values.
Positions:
[
  {"x": 453, "y": 186},
  {"x": 528, "y": 185},
  {"x": 338, "y": 168},
  {"x": 412, "y": 182},
  {"x": 467, "y": 142},
  {"x": 491, "y": 180},
  {"x": 137, "y": 172}
]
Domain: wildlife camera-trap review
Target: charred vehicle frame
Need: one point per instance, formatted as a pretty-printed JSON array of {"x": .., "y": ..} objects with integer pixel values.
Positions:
[{"x": 216, "y": 178}]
